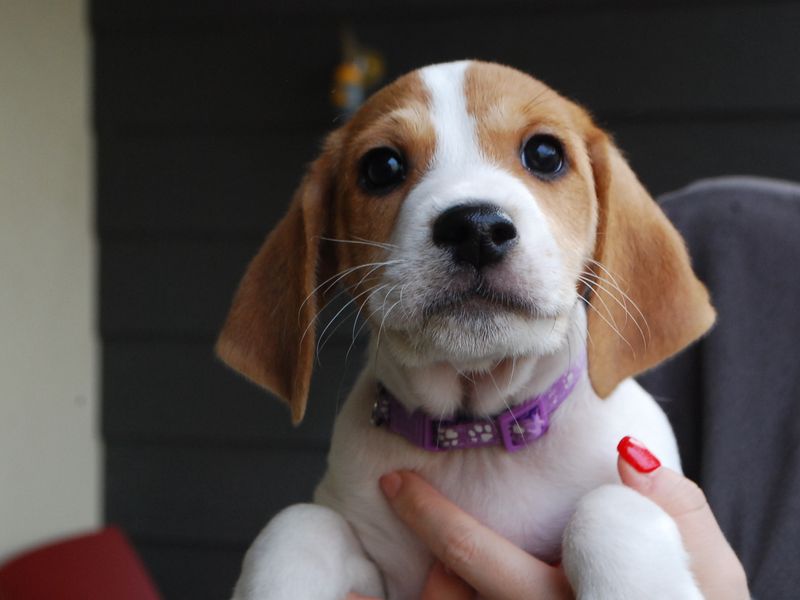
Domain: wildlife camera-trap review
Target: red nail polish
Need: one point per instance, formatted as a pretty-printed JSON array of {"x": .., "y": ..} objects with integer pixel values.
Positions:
[{"x": 636, "y": 455}]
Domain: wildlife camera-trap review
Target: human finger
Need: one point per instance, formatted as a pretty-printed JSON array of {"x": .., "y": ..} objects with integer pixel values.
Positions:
[
  {"x": 714, "y": 563},
  {"x": 488, "y": 562},
  {"x": 445, "y": 585}
]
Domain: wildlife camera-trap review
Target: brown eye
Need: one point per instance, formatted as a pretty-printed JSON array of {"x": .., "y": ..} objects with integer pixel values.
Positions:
[
  {"x": 382, "y": 169},
  {"x": 543, "y": 156}
]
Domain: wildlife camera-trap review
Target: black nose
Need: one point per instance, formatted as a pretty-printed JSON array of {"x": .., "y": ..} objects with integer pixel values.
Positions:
[{"x": 476, "y": 234}]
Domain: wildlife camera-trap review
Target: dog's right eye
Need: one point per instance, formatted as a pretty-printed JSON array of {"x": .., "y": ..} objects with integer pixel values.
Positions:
[{"x": 381, "y": 170}]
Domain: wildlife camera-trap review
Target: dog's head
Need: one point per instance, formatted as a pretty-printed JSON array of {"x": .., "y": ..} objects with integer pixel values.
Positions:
[{"x": 473, "y": 207}]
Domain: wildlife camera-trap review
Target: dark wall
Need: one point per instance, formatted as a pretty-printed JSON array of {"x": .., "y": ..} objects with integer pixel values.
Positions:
[{"x": 205, "y": 113}]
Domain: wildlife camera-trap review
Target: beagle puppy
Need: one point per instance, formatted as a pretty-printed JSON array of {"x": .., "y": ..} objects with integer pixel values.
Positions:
[{"x": 515, "y": 275}]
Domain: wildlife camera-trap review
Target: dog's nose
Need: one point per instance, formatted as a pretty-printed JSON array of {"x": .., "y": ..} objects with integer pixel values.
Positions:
[{"x": 476, "y": 234}]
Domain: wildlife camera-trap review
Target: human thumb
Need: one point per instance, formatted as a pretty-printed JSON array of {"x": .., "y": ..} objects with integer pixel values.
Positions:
[{"x": 715, "y": 565}]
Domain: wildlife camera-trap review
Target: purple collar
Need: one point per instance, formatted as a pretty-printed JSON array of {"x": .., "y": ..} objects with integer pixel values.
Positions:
[{"x": 514, "y": 428}]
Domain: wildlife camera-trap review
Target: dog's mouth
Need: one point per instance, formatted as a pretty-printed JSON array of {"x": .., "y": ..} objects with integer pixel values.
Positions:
[{"x": 480, "y": 299}]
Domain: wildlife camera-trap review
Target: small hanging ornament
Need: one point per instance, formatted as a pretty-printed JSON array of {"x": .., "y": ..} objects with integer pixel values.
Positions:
[{"x": 361, "y": 69}]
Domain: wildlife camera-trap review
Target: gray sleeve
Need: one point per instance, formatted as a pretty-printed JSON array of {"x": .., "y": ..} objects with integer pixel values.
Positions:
[{"x": 734, "y": 397}]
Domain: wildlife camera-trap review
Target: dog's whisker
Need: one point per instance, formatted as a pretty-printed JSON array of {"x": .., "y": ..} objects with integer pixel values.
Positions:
[
  {"x": 386, "y": 297},
  {"x": 374, "y": 312},
  {"x": 321, "y": 310},
  {"x": 375, "y": 266},
  {"x": 592, "y": 281},
  {"x": 503, "y": 398},
  {"x": 401, "y": 299},
  {"x": 491, "y": 376},
  {"x": 338, "y": 277},
  {"x": 380, "y": 329},
  {"x": 599, "y": 314},
  {"x": 355, "y": 287},
  {"x": 361, "y": 241},
  {"x": 611, "y": 287},
  {"x": 598, "y": 284},
  {"x": 609, "y": 312},
  {"x": 335, "y": 278},
  {"x": 321, "y": 343},
  {"x": 330, "y": 322},
  {"x": 628, "y": 299},
  {"x": 614, "y": 282},
  {"x": 321, "y": 337},
  {"x": 355, "y": 334},
  {"x": 385, "y": 313},
  {"x": 386, "y": 245},
  {"x": 316, "y": 317}
]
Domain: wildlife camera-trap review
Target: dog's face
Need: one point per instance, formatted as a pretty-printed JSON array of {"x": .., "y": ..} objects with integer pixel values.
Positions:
[
  {"x": 467, "y": 207},
  {"x": 478, "y": 182}
]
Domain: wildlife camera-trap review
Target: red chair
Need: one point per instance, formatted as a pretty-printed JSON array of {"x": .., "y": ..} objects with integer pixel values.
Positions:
[{"x": 98, "y": 566}]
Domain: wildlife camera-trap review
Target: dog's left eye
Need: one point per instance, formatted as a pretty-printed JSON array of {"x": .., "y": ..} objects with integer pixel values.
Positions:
[
  {"x": 382, "y": 169},
  {"x": 543, "y": 155}
]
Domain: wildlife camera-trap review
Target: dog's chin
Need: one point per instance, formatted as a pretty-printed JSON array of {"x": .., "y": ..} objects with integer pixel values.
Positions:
[{"x": 473, "y": 338}]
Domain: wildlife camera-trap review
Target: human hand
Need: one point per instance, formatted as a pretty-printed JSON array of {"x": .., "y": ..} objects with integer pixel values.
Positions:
[
  {"x": 495, "y": 568},
  {"x": 714, "y": 564},
  {"x": 471, "y": 556}
]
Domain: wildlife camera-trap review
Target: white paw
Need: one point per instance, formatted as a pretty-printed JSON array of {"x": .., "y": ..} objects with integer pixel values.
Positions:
[
  {"x": 306, "y": 552},
  {"x": 621, "y": 546}
]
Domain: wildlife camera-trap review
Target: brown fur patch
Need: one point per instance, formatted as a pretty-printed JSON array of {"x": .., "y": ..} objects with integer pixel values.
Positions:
[
  {"x": 509, "y": 107},
  {"x": 269, "y": 335},
  {"x": 666, "y": 307},
  {"x": 398, "y": 117}
]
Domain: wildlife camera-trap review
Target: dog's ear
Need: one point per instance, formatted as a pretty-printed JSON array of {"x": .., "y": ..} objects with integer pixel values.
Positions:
[
  {"x": 269, "y": 334},
  {"x": 646, "y": 302}
]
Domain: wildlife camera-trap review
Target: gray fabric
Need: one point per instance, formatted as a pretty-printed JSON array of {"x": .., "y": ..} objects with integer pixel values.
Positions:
[{"x": 734, "y": 397}]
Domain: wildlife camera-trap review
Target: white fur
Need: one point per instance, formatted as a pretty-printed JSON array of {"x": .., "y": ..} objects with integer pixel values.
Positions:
[
  {"x": 609, "y": 554},
  {"x": 615, "y": 543},
  {"x": 279, "y": 562}
]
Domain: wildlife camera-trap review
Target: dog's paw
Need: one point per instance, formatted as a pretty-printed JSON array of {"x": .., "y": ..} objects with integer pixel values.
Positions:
[
  {"x": 620, "y": 545},
  {"x": 306, "y": 552}
]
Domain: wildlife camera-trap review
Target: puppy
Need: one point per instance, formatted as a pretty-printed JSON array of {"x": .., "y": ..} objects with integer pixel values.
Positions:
[{"x": 515, "y": 275}]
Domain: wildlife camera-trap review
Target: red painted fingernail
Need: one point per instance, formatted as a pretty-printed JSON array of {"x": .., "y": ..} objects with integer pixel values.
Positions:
[
  {"x": 390, "y": 484},
  {"x": 637, "y": 455}
]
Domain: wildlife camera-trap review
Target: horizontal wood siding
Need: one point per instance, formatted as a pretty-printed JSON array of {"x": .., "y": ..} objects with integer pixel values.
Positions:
[
  {"x": 205, "y": 114},
  {"x": 235, "y": 186}
]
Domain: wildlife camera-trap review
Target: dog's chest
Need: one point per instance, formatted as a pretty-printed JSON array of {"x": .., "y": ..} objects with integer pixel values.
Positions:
[
  {"x": 526, "y": 496},
  {"x": 522, "y": 497}
]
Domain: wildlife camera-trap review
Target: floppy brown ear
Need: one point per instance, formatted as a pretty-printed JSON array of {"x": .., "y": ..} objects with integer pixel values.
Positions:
[
  {"x": 269, "y": 334},
  {"x": 641, "y": 253}
]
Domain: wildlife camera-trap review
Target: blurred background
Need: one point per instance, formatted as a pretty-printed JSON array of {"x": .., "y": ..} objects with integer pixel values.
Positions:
[{"x": 147, "y": 147}]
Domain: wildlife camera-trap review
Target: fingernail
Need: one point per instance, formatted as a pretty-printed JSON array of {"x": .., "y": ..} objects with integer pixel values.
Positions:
[
  {"x": 390, "y": 484},
  {"x": 637, "y": 455}
]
